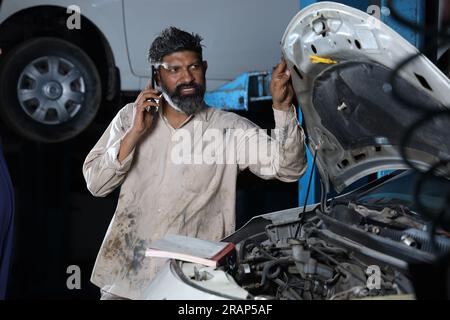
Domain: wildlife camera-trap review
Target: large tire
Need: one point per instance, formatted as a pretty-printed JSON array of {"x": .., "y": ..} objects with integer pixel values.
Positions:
[{"x": 50, "y": 89}]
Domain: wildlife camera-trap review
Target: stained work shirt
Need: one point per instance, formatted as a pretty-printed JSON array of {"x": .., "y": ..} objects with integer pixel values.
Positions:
[{"x": 180, "y": 181}]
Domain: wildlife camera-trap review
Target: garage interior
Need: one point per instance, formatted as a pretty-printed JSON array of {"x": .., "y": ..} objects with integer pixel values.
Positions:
[{"x": 58, "y": 223}]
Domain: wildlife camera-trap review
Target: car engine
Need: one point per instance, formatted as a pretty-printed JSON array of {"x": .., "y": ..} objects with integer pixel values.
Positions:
[{"x": 295, "y": 260}]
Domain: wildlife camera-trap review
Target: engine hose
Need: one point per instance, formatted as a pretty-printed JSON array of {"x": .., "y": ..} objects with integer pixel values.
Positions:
[
  {"x": 328, "y": 249},
  {"x": 242, "y": 250},
  {"x": 288, "y": 291},
  {"x": 267, "y": 274}
]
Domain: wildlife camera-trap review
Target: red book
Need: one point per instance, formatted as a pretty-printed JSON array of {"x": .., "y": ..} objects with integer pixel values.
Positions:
[{"x": 205, "y": 252}]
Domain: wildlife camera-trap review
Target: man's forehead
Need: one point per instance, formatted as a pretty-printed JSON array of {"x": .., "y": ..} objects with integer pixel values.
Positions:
[{"x": 181, "y": 57}]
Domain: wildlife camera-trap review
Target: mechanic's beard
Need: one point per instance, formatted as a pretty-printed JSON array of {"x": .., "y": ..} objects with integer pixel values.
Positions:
[{"x": 188, "y": 104}]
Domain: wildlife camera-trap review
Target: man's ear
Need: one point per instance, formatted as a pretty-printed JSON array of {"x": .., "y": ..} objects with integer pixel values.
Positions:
[{"x": 205, "y": 65}]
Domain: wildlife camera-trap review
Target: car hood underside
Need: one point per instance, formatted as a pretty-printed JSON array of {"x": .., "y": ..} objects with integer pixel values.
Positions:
[{"x": 342, "y": 64}]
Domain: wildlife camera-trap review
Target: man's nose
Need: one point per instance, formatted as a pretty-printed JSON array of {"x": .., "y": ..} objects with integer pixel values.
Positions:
[{"x": 186, "y": 76}]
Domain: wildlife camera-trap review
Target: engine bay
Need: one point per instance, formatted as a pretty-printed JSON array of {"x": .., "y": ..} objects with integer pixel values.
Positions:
[
  {"x": 344, "y": 254},
  {"x": 309, "y": 267},
  {"x": 348, "y": 251}
]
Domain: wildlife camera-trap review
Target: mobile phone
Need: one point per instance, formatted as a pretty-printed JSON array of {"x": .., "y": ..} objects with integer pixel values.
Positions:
[
  {"x": 153, "y": 77},
  {"x": 152, "y": 110}
]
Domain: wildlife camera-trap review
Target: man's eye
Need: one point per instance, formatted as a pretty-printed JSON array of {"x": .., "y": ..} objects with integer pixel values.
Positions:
[
  {"x": 195, "y": 66},
  {"x": 173, "y": 70}
]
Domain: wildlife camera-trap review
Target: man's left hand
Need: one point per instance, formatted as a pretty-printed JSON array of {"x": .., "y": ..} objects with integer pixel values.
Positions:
[{"x": 281, "y": 87}]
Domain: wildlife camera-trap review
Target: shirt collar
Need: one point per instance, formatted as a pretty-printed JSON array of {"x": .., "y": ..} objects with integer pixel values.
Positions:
[{"x": 202, "y": 114}]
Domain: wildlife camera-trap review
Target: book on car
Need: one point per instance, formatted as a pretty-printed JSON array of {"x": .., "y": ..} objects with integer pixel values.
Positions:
[{"x": 190, "y": 249}]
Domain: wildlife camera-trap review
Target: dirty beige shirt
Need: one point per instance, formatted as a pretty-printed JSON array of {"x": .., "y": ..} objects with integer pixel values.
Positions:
[{"x": 162, "y": 192}]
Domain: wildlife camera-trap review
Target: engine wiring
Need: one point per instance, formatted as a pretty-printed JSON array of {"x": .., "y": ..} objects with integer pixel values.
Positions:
[
  {"x": 318, "y": 270},
  {"x": 311, "y": 175}
]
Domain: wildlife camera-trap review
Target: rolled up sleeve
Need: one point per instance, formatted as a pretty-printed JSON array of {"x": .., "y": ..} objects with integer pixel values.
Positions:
[
  {"x": 281, "y": 155},
  {"x": 102, "y": 170}
]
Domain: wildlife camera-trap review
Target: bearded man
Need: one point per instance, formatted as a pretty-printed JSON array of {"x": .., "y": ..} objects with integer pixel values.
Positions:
[{"x": 162, "y": 194}]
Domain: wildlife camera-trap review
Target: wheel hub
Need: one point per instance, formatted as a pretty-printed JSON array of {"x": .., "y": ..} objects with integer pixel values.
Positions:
[{"x": 52, "y": 90}]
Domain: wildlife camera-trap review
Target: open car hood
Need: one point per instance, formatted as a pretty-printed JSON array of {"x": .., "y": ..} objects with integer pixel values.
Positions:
[{"x": 351, "y": 116}]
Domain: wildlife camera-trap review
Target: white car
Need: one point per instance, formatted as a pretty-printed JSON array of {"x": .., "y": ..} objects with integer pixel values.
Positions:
[
  {"x": 388, "y": 239},
  {"x": 60, "y": 58}
]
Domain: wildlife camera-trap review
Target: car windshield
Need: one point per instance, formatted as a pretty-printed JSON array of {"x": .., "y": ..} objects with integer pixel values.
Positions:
[{"x": 399, "y": 192}]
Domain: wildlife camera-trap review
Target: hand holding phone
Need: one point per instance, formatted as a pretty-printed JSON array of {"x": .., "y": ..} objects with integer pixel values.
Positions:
[
  {"x": 152, "y": 85},
  {"x": 146, "y": 106}
]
